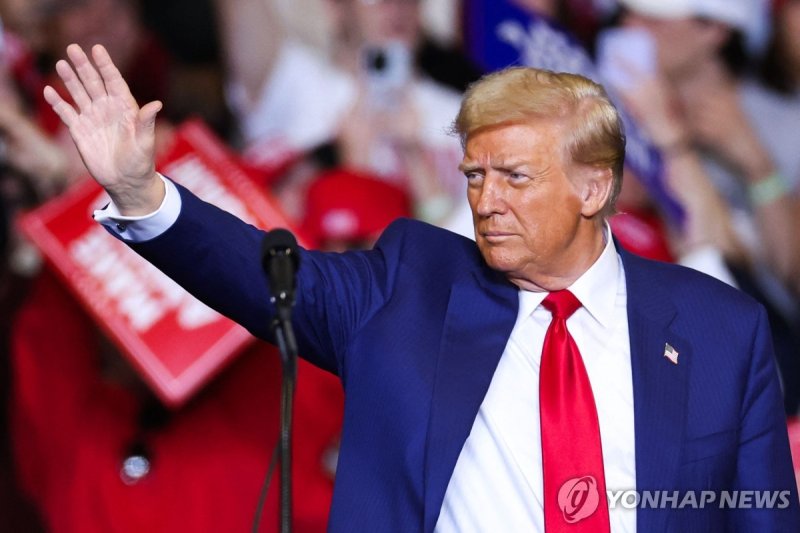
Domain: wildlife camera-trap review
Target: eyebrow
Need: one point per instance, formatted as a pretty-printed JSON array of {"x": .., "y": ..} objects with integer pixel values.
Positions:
[{"x": 468, "y": 166}]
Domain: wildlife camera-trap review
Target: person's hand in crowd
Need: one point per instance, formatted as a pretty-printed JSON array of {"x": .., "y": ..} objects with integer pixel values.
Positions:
[
  {"x": 26, "y": 148},
  {"x": 31, "y": 153},
  {"x": 709, "y": 221},
  {"x": 115, "y": 137},
  {"x": 370, "y": 123},
  {"x": 717, "y": 121},
  {"x": 371, "y": 128},
  {"x": 654, "y": 104},
  {"x": 356, "y": 135}
]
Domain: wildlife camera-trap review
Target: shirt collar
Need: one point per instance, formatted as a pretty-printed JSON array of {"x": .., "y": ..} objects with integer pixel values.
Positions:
[{"x": 596, "y": 288}]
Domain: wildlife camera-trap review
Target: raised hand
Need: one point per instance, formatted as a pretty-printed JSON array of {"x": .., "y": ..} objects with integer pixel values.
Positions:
[{"x": 114, "y": 136}]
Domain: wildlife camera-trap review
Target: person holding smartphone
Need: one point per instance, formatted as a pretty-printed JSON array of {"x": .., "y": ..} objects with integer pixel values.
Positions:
[
  {"x": 689, "y": 92},
  {"x": 366, "y": 99}
]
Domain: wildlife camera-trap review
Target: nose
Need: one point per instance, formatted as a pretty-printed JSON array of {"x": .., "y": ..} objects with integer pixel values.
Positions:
[{"x": 490, "y": 197}]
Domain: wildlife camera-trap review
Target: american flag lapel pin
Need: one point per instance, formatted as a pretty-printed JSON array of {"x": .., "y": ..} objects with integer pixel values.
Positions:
[{"x": 671, "y": 353}]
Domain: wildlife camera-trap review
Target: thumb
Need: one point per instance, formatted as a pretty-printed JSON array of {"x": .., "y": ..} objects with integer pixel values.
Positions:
[{"x": 147, "y": 114}]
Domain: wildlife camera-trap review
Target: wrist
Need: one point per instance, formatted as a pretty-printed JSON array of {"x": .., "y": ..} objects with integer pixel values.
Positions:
[
  {"x": 141, "y": 200},
  {"x": 767, "y": 189},
  {"x": 752, "y": 160}
]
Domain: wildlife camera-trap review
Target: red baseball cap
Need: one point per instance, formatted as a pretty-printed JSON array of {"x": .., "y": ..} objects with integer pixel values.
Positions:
[{"x": 348, "y": 206}]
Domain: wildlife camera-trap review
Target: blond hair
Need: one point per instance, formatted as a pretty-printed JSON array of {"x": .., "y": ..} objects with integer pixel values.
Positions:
[{"x": 595, "y": 134}]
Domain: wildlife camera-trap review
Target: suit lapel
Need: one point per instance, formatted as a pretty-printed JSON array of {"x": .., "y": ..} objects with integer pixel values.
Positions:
[
  {"x": 659, "y": 386},
  {"x": 480, "y": 316}
]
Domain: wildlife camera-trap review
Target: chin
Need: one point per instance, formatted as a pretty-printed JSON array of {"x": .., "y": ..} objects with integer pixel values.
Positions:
[{"x": 497, "y": 259}]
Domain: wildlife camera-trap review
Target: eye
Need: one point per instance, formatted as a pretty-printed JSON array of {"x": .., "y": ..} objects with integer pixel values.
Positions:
[
  {"x": 516, "y": 176},
  {"x": 473, "y": 176}
]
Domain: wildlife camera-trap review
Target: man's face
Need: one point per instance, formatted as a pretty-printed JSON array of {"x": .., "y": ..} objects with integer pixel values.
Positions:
[{"x": 529, "y": 203}]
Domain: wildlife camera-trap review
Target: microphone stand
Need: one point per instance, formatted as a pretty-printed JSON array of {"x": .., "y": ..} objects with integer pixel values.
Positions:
[
  {"x": 287, "y": 344},
  {"x": 280, "y": 259}
]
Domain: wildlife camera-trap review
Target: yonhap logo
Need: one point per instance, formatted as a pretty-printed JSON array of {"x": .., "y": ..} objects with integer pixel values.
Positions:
[{"x": 578, "y": 498}]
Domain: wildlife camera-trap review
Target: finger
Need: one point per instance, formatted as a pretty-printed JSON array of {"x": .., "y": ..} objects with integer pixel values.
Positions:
[
  {"x": 64, "y": 111},
  {"x": 88, "y": 74},
  {"x": 114, "y": 82},
  {"x": 74, "y": 85},
  {"x": 147, "y": 115}
]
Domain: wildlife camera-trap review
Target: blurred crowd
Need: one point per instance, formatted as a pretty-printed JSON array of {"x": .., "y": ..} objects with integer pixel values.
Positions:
[{"x": 341, "y": 109}]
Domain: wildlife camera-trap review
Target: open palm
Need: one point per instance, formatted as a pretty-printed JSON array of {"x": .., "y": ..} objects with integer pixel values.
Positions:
[{"x": 114, "y": 136}]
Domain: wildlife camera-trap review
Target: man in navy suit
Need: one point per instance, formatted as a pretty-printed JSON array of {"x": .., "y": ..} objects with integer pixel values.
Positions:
[{"x": 439, "y": 343}]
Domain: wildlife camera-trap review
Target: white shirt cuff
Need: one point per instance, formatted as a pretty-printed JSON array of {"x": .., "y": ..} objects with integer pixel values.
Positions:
[{"x": 145, "y": 227}]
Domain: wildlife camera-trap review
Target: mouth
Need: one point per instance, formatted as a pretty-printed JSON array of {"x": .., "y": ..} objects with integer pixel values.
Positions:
[{"x": 496, "y": 236}]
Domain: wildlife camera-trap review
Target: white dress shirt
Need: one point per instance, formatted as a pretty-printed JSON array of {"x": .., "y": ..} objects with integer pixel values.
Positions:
[{"x": 497, "y": 481}]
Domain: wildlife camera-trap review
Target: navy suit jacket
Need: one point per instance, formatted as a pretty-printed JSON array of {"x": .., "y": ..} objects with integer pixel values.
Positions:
[{"x": 415, "y": 328}]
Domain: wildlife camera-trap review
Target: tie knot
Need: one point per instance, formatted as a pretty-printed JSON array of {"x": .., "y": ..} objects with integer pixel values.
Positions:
[{"x": 561, "y": 304}]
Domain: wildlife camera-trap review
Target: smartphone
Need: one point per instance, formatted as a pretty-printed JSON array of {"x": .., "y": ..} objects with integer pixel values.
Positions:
[
  {"x": 625, "y": 55},
  {"x": 387, "y": 72}
]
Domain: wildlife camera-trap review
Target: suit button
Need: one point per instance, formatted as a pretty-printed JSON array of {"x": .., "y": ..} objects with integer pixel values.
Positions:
[{"x": 121, "y": 227}]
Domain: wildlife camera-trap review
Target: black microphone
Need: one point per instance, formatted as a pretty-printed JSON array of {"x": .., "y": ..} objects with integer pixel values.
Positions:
[{"x": 280, "y": 260}]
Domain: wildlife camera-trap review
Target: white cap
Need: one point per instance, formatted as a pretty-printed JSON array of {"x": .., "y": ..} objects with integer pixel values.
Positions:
[{"x": 736, "y": 13}]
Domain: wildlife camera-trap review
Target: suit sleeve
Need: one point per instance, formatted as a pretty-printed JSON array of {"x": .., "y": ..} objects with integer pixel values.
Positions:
[
  {"x": 764, "y": 459},
  {"x": 216, "y": 257}
]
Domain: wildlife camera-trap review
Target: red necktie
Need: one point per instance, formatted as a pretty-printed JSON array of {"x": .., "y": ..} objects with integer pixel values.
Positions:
[{"x": 572, "y": 456}]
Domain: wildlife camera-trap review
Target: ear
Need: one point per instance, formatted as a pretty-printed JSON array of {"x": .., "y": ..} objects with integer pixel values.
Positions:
[{"x": 595, "y": 189}]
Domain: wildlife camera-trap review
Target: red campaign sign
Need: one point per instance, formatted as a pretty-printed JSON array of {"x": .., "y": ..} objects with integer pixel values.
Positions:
[{"x": 174, "y": 341}]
